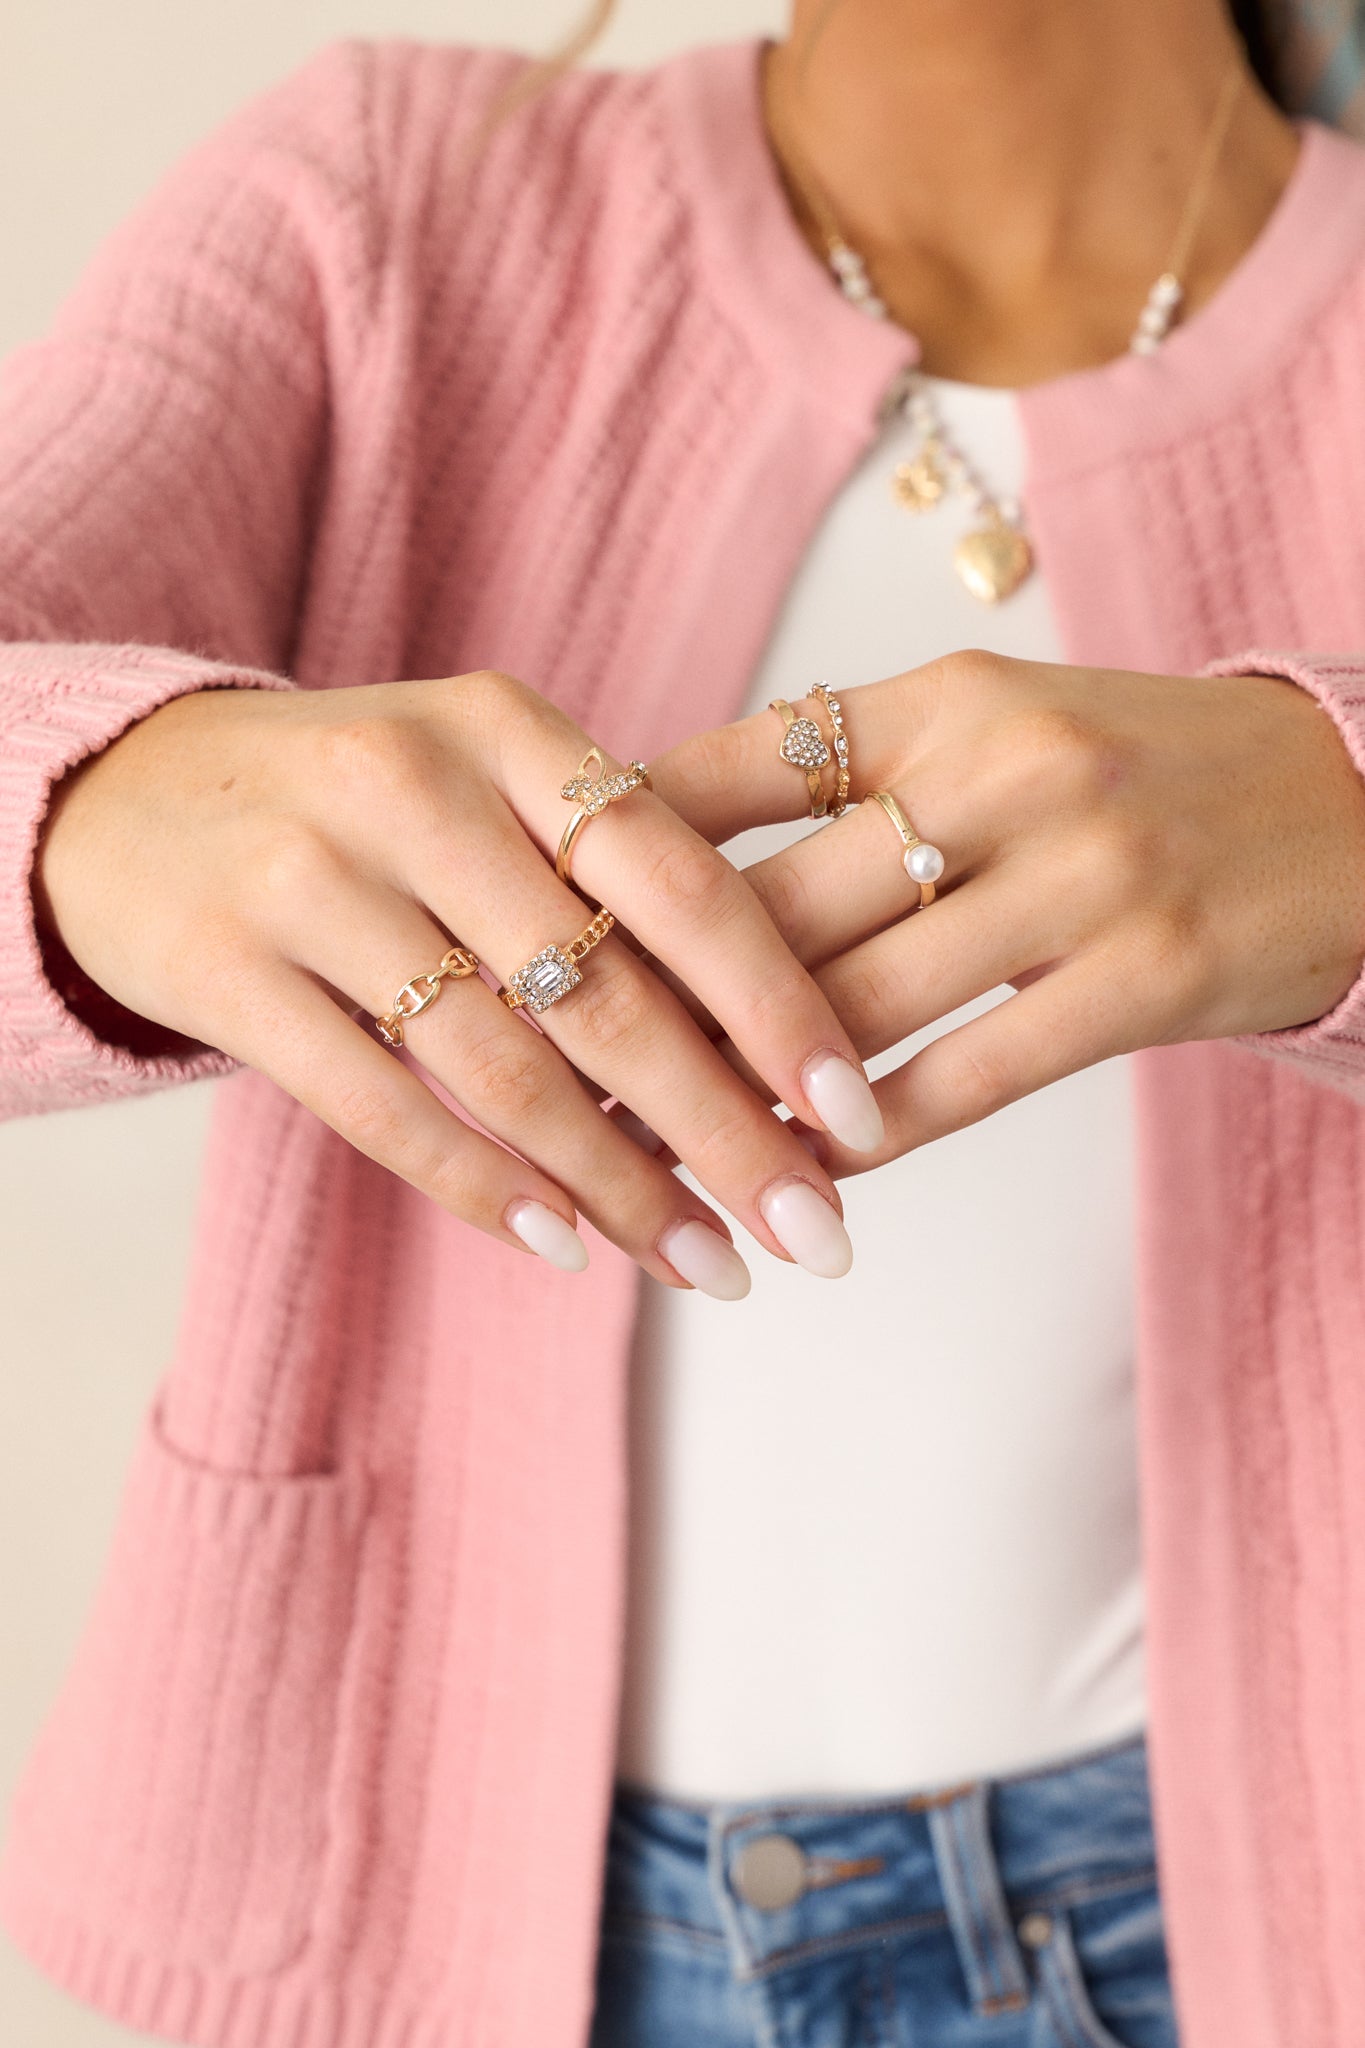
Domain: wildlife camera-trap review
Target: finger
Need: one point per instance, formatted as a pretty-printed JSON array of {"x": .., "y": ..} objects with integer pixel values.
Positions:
[
  {"x": 1078, "y": 1014},
  {"x": 697, "y": 916},
  {"x": 519, "y": 1088},
  {"x": 834, "y": 888},
  {"x": 621, "y": 1026},
  {"x": 1002, "y": 928},
  {"x": 726, "y": 781},
  {"x": 333, "y": 1067},
  {"x": 995, "y": 929}
]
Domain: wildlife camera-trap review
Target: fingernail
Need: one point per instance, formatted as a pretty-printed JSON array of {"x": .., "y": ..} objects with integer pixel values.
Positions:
[
  {"x": 701, "y": 1255},
  {"x": 804, "y": 1224},
  {"x": 841, "y": 1098},
  {"x": 549, "y": 1236},
  {"x": 639, "y": 1133}
]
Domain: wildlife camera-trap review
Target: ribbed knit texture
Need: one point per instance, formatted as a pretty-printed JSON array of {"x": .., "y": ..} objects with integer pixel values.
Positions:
[{"x": 332, "y": 1766}]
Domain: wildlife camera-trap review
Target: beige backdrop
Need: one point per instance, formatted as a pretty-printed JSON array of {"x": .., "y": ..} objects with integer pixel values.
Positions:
[{"x": 95, "y": 1205}]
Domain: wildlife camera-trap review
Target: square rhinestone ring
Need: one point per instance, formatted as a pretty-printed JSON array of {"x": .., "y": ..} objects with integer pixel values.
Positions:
[
  {"x": 545, "y": 979},
  {"x": 554, "y": 970}
]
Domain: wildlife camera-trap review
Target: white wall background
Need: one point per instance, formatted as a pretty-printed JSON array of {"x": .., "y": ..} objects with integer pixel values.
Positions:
[{"x": 96, "y": 100}]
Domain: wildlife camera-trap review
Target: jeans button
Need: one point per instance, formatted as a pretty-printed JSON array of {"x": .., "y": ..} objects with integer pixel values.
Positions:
[
  {"x": 770, "y": 1872},
  {"x": 1035, "y": 1930}
]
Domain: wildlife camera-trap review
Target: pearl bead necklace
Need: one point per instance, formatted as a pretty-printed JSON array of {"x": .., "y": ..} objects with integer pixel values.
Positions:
[{"x": 995, "y": 556}]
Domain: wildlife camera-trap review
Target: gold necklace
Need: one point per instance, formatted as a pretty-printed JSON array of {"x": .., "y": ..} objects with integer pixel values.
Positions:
[{"x": 995, "y": 556}]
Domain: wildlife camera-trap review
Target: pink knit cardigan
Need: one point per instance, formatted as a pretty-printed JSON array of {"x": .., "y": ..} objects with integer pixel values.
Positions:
[{"x": 332, "y": 1763}]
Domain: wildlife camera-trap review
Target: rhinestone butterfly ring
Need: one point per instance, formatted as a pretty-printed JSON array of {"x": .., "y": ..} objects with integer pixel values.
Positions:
[{"x": 592, "y": 793}]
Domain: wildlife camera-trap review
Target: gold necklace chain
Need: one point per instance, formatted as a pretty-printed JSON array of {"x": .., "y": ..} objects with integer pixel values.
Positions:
[{"x": 995, "y": 556}]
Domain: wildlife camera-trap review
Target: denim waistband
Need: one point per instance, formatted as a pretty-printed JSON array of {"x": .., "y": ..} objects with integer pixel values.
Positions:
[{"x": 990, "y": 1860}]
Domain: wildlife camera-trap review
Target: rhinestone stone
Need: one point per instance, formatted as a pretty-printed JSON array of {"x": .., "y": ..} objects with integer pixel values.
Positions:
[
  {"x": 803, "y": 745},
  {"x": 546, "y": 978}
]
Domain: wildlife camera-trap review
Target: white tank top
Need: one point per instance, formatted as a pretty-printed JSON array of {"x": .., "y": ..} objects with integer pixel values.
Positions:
[{"x": 884, "y": 1529}]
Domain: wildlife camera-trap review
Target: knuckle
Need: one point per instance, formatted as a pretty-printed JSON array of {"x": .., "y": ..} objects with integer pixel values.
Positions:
[
  {"x": 723, "y": 1143},
  {"x": 775, "y": 1000},
  {"x": 689, "y": 878},
  {"x": 491, "y": 693},
  {"x": 868, "y": 1002},
  {"x": 612, "y": 1009},
  {"x": 1056, "y": 742},
  {"x": 974, "y": 668},
  {"x": 452, "y": 1181},
  {"x": 369, "y": 1117},
  {"x": 973, "y": 1081},
  {"x": 710, "y": 759},
  {"x": 296, "y": 867},
  {"x": 787, "y": 898},
  {"x": 370, "y": 757},
  {"x": 506, "y": 1081}
]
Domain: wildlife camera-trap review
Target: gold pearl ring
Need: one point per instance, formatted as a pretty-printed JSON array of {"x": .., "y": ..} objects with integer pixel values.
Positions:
[
  {"x": 921, "y": 861},
  {"x": 592, "y": 793},
  {"x": 554, "y": 970},
  {"x": 421, "y": 992}
]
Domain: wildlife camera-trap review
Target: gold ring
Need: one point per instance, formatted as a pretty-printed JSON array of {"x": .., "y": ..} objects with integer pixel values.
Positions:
[
  {"x": 592, "y": 793},
  {"x": 803, "y": 745},
  {"x": 839, "y": 803},
  {"x": 421, "y": 992},
  {"x": 921, "y": 861},
  {"x": 554, "y": 970}
]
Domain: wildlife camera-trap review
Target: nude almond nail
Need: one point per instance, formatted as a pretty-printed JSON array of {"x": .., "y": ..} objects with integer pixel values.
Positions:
[
  {"x": 549, "y": 1236},
  {"x": 843, "y": 1101},
  {"x": 806, "y": 1226},
  {"x": 701, "y": 1255}
]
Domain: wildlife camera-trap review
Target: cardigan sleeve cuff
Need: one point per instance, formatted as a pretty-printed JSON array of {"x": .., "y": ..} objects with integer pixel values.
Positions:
[
  {"x": 59, "y": 704},
  {"x": 1332, "y": 1046}
]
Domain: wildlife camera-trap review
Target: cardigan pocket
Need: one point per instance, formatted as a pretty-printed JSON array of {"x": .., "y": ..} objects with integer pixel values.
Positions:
[{"x": 176, "y": 1798}]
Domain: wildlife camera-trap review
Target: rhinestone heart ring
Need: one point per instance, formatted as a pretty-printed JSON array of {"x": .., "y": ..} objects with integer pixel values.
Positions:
[{"x": 803, "y": 745}]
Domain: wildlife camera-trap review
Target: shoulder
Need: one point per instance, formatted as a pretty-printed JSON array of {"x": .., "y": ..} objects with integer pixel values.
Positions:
[{"x": 456, "y": 127}]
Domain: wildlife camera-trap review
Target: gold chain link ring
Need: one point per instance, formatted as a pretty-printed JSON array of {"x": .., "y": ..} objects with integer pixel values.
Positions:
[{"x": 421, "y": 992}]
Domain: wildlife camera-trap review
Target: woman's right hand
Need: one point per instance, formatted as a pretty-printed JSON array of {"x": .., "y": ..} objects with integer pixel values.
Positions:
[{"x": 247, "y": 867}]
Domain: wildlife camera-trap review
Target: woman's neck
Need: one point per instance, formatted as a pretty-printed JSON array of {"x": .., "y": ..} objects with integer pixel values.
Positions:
[{"x": 1014, "y": 172}]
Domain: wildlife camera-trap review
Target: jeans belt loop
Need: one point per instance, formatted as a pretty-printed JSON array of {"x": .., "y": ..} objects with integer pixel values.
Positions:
[{"x": 983, "y": 1930}]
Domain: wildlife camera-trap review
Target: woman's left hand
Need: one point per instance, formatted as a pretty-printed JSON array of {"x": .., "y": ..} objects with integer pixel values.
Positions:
[{"x": 1144, "y": 858}]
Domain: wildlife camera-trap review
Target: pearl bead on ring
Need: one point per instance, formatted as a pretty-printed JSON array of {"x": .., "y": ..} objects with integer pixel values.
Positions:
[{"x": 922, "y": 862}]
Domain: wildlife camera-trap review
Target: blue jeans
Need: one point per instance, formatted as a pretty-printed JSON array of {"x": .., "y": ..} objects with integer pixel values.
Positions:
[{"x": 1017, "y": 1912}]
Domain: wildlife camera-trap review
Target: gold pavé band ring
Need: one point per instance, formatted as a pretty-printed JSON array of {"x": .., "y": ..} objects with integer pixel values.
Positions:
[
  {"x": 839, "y": 801},
  {"x": 921, "y": 861},
  {"x": 803, "y": 745},
  {"x": 592, "y": 793},
  {"x": 421, "y": 992},
  {"x": 554, "y": 970}
]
